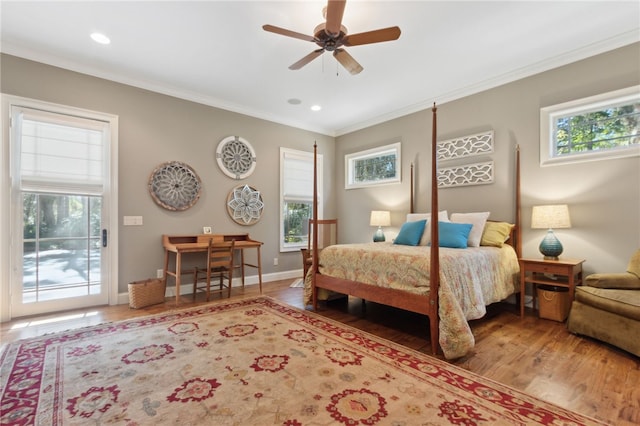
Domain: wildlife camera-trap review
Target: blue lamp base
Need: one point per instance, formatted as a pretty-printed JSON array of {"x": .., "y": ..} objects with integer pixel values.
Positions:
[
  {"x": 379, "y": 235},
  {"x": 550, "y": 246}
]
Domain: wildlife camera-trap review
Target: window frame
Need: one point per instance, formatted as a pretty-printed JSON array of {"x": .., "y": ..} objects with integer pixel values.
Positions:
[
  {"x": 304, "y": 155},
  {"x": 351, "y": 159},
  {"x": 549, "y": 115}
]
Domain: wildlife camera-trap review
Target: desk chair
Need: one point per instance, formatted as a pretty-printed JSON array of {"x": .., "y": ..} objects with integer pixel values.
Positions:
[
  {"x": 327, "y": 236},
  {"x": 219, "y": 265}
]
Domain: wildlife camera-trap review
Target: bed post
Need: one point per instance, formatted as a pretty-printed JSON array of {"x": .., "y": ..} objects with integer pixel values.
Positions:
[
  {"x": 518, "y": 246},
  {"x": 434, "y": 273},
  {"x": 314, "y": 227},
  {"x": 411, "y": 189}
]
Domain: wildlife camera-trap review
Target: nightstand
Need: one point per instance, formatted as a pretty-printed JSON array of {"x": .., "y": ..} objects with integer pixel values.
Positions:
[{"x": 565, "y": 272}]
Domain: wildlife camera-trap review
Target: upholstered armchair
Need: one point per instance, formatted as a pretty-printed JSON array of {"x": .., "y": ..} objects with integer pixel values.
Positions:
[{"x": 607, "y": 307}]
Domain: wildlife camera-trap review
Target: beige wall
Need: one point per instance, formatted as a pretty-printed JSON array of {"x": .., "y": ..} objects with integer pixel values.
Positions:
[
  {"x": 155, "y": 128},
  {"x": 603, "y": 196}
]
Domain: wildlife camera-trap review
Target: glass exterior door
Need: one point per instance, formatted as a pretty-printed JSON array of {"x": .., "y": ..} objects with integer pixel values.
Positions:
[
  {"x": 61, "y": 208},
  {"x": 61, "y": 246}
]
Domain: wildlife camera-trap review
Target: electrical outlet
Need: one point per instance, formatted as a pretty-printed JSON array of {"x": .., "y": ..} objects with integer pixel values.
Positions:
[
  {"x": 160, "y": 273},
  {"x": 275, "y": 261}
]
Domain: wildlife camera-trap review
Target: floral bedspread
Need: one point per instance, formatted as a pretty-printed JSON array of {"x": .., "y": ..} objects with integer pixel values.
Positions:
[{"x": 470, "y": 279}]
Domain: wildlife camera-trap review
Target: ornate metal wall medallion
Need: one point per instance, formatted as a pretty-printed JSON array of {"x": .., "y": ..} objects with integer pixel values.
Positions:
[
  {"x": 236, "y": 157},
  {"x": 244, "y": 205},
  {"x": 174, "y": 186}
]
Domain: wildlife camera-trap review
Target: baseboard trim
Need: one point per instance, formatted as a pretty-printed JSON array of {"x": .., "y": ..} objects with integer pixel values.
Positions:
[{"x": 185, "y": 288}]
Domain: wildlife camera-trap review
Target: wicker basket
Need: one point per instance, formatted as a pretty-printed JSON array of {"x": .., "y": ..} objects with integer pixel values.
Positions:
[
  {"x": 146, "y": 292},
  {"x": 554, "y": 303}
]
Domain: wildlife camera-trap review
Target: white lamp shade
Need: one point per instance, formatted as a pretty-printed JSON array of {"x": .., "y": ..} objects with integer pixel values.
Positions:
[
  {"x": 550, "y": 217},
  {"x": 380, "y": 218}
]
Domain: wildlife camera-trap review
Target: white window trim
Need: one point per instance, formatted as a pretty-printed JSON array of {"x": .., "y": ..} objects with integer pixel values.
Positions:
[
  {"x": 550, "y": 113},
  {"x": 350, "y": 159},
  {"x": 307, "y": 155}
]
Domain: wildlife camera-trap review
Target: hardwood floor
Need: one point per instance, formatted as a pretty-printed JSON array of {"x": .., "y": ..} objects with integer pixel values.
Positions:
[{"x": 533, "y": 355}]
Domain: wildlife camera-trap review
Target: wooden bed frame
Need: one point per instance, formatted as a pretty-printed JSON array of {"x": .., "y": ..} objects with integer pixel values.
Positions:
[{"x": 426, "y": 305}]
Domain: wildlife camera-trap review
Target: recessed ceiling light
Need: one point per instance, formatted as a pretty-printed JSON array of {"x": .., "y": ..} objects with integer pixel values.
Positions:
[
  {"x": 100, "y": 38},
  {"x": 316, "y": 108},
  {"x": 294, "y": 101}
]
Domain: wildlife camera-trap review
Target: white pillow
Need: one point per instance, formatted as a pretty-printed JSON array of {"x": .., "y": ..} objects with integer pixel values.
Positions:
[
  {"x": 443, "y": 216},
  {"x": 478, "y": 220}
]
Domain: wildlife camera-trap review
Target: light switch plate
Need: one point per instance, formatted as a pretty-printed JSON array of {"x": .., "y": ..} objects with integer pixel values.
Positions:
[{"x": 132, "y": 220}]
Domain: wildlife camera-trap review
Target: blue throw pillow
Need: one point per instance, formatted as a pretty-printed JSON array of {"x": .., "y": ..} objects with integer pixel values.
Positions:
[
  {"x": 454, "y": 235},
  {"x": 410, "y": 233}
]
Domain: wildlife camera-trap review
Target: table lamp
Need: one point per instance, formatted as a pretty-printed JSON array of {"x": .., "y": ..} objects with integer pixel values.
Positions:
[
  {"x": 379, "y": 218},
  {"x": 549, "y": 217}
]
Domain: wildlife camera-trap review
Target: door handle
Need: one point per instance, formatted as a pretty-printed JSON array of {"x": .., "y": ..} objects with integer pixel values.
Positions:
[{"x": 104, "y": 238}]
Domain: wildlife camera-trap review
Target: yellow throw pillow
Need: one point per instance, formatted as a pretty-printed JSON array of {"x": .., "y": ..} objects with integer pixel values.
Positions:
[{"x": 496, "y": 234}]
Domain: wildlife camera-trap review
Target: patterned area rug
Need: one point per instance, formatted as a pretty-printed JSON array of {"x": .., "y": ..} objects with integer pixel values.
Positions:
[{"x": 248, "y": 362}]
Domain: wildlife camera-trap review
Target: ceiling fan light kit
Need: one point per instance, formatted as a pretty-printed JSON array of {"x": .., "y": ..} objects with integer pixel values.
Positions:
[{"x": 331, "y": 35}]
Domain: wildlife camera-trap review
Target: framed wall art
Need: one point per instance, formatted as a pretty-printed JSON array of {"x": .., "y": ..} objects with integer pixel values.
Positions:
[
  {"x": 245, "y": 205},
  {"x": 175, "y": 186},
  {"x": 468, "y": 174},
  {"x": 466, "y": 146},
  {"x": 236, "y": 157}
]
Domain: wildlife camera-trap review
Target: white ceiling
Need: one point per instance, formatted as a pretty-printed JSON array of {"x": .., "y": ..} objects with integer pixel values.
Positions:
[{"x": 216, "y": 53}]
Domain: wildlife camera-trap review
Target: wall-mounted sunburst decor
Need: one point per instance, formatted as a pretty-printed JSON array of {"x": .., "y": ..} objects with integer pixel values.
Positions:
[
  {"x": 174, "y": 186},
  {"x": 244, "y": 205},
  {"x": 236, "y": 157}
]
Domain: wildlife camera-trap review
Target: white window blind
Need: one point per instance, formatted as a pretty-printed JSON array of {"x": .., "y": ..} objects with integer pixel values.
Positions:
[
  {"x": 298, "y": 176},
  {"x": 60, "y": 153},
  {"x": 296, "y": 196}
]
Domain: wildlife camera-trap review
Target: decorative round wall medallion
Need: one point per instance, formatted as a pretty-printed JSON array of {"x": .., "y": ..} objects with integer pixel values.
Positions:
[
  {"x": 244, "y": 205},
  {"x": 236, "y": 157},
  {"x": 174, "y": 186}
]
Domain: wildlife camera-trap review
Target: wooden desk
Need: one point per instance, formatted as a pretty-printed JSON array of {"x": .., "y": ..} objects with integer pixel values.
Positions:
[{"x": 180, "y": 244}]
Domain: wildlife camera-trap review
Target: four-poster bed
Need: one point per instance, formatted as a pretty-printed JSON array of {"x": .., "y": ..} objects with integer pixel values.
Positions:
[{"x": 470, "y": 277}]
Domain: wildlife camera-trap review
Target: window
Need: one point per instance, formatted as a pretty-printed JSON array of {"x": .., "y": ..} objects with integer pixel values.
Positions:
[
  {"x": 599, "y": 127},
  {"x": 296, "y": 197},
  {"x": 372, "y": 167}
]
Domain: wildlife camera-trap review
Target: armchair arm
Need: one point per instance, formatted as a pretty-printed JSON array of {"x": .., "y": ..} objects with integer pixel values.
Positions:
[
  {"x": 634, "y": 264},
  {"x": 624, "y": 280}
]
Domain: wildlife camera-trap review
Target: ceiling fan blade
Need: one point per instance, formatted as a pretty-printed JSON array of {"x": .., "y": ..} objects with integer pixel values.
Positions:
[
  {"x": 304, "y": 61},
  {"x": 375, "y": 36},
  {"x": 347, "y": 61},
  {"x": 288, "y": 33},
  {"x": 335, "y": 11}
]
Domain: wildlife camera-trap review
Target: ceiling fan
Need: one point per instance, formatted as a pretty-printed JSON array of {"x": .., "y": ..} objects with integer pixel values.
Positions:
[{"x": 332, "y": 35}]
